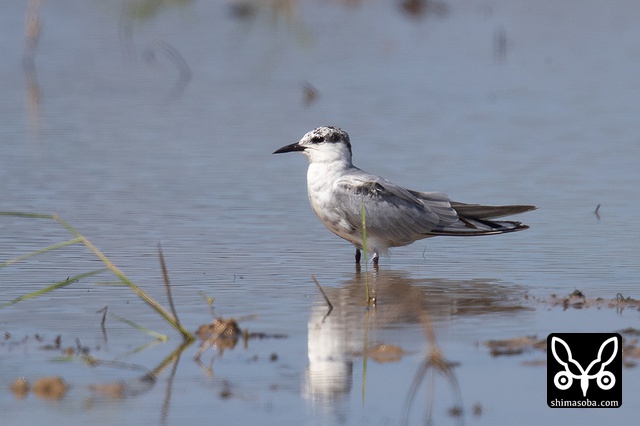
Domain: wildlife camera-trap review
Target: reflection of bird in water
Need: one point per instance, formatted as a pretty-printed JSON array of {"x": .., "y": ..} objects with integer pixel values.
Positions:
[
  {"x": 408, "y": 308},
  {"x": 344, "y": 197}
]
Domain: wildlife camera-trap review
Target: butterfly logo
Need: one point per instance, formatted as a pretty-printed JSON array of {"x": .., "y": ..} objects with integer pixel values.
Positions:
[{"x": 564, "y": 379}]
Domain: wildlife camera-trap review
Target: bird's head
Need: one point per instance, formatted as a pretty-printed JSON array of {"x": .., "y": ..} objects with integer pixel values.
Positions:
[{"x": 323, "y": 145}]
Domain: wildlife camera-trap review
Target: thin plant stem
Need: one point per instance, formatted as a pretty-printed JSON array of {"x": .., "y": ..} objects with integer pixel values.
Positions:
[
  {"x": 364, "y": 249},
  {"x": 52, "y": 287},
  {"x": 117, "y": 272},
  {"x": 145, "y": 330},
  {"x": 365, "y": 351},
  {"x": 322, "y": 292},
  {"x": 27, "y": 215},
  {"x": 170, "y": 318},
  {"x": 167, "y": 285},
  {"x": 44, "y": 250}
]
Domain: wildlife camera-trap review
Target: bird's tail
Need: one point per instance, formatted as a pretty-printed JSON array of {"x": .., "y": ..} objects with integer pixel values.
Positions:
[{"x": 475, "y": 219}]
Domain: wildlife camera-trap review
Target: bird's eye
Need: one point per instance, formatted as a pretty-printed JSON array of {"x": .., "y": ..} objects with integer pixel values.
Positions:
[{"x": 317, "y": 139}]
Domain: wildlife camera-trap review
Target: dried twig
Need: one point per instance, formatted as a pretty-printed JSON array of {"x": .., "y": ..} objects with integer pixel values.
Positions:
[{"x": 323, "y": 293}]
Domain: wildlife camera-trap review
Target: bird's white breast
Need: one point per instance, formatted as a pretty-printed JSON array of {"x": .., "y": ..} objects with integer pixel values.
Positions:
[{"x": 321, "y": 180}]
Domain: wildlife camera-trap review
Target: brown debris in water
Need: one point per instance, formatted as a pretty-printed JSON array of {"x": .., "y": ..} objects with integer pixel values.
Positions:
[
  {"x": 630, "y": 346},
  {"x": 55, "y": 345},
  {"x": 221, "y": 333},
  {"x": 52, "y": 387},
  {"x": 309, "y": 94},
  {"x": 577, "y": 300},
  {"x": 385, "y": 353},
  {"x": 224, "y": 333},
  {"x": 515, "y": 346},
  {"x": 477, "y": 409},
  {"x": 110, "y": 390},
  {"x": 455, "y": 411},
  {"x": 525, "y": 344},
  {"x": 226, "y": 391},
  {"x": 20, "y": 387}
]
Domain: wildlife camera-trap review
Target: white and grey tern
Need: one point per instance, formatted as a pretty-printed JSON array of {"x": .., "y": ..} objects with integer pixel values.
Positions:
[{"x": 394, "y": 216}]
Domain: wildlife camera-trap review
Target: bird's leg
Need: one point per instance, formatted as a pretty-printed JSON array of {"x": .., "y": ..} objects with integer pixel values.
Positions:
[{"x": 357, "y": 256}]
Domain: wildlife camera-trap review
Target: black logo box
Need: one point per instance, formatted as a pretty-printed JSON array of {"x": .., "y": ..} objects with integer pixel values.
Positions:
[{"x": 584, "y": 363}]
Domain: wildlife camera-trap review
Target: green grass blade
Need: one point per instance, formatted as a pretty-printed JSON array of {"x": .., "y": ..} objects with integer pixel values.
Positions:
[
  {"x": 145, "y": 330},
  {"x": 365, "y": 351},
  {"x": 27, "y": 215},
  {"x": 52, "y": 287},
  {"x": 364, "y": 249},
  {"x": 44, "y": 250},
  {"x": 117, "y": 272},
  {"x": 171, "y": 319}
]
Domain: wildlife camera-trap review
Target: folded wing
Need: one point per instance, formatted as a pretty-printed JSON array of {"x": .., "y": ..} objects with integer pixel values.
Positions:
[{"x": 396, "y": 216}]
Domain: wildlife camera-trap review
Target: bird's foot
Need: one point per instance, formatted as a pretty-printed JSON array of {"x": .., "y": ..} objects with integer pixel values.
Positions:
[{"x": 374, "y": 258}]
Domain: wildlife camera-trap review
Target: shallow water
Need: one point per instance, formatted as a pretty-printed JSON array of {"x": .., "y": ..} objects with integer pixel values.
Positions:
[{"x": 145, "y": 125}]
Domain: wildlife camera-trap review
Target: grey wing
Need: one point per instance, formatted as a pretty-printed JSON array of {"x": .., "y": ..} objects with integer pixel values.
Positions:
[
  {"x": 477, "y": 219},
  {"x": 394, "y": 215},
  {"x": 478, "y": 211}
]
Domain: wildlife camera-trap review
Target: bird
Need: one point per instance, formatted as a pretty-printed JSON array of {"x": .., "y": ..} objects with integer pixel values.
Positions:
[{"x": 343, "y": 197}]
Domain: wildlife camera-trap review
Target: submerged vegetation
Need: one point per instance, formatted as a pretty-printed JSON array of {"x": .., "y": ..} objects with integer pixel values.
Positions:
[
  {"x": 220, "y": 333},
  {"x": 169, "y": 317}
]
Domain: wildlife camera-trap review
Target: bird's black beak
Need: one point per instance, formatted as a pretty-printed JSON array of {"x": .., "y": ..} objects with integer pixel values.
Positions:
[{"x": 290, "y": 148}]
